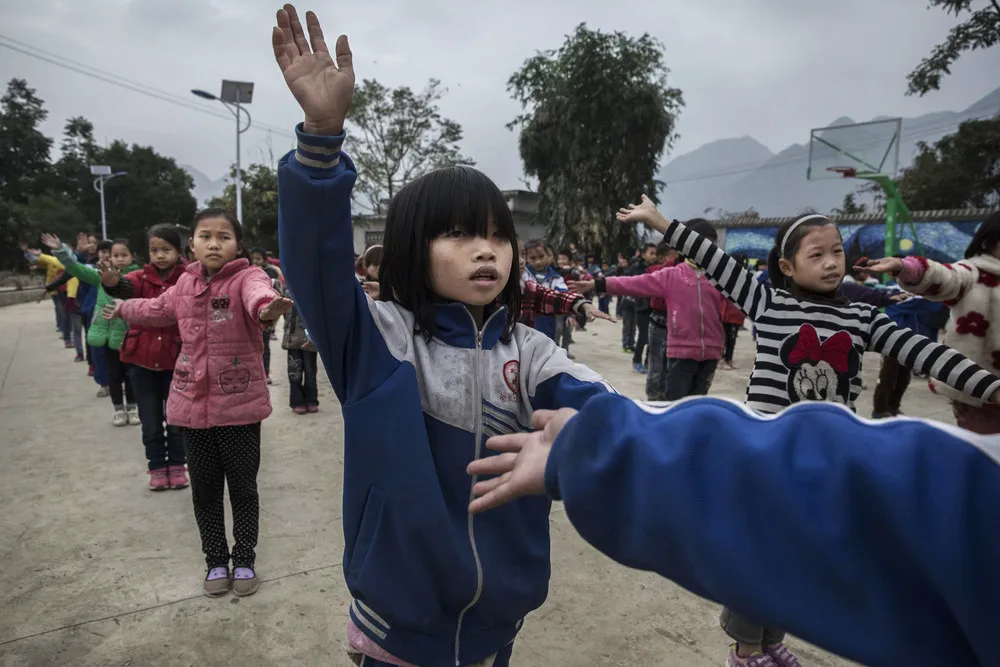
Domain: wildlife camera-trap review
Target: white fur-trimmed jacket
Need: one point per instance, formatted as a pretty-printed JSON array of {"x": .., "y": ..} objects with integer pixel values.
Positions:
[{"x": 971, "y": 288}]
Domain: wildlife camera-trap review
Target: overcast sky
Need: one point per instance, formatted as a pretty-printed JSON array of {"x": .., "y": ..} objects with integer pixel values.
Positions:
[{"x": 771, "y": 69}]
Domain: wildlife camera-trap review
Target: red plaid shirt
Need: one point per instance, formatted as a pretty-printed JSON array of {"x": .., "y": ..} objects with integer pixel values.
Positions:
[{"x": 539, "y": 300}]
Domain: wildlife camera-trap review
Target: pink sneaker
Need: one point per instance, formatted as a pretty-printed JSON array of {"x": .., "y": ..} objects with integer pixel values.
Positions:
[
  {"x": 312, "y": 409},
  {"x": 177, "y": 475},
  {"x": 299, "y": 409},
  {"x": 159, "y": 480}
]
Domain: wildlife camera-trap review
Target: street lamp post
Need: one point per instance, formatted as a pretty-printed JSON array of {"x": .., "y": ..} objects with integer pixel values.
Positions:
[
  {"x": 104, "y": 174},
  {"x": 234, "y": 95}
]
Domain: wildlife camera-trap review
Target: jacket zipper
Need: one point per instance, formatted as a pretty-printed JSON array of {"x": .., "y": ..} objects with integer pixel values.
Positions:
[
  {"x": 701, "y": 310},
  {"x": 478, "y": 402}
]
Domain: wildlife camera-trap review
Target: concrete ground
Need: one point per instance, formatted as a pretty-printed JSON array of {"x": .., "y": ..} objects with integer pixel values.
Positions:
[{"x": 97, "y": 570}]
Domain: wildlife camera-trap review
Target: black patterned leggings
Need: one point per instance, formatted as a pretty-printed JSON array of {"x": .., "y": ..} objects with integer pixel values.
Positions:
[{"x": 218, "y": 456}]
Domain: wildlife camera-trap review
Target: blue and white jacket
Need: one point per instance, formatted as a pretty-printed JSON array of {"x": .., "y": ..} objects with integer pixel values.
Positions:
[
  {"x": 878, "y": 541},
  {"x": 432, "y": 584}
]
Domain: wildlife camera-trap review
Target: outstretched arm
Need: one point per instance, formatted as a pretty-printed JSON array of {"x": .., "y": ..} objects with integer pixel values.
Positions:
[
  {"x": 939, "y": 361},
  {"x": 314, "y": 212},
  {"x": 733, "y": 279},
  {"x": 813, "y": 521}
]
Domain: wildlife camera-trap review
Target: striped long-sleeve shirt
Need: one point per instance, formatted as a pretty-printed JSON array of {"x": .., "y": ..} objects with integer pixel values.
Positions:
[{"x": 811, "y": 350}]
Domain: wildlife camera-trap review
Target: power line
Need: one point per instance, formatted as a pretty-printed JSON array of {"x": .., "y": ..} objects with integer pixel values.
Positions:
[
  {"x": 748, "y": 167},
  {"x": 116, "y": 80}
]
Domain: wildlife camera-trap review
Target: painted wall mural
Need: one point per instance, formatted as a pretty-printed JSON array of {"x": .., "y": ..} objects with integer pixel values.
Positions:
[{"x": 940, "y": 241}]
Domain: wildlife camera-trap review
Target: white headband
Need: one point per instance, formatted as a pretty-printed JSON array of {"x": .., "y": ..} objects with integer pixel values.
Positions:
[{"x": 791, "y": 229}]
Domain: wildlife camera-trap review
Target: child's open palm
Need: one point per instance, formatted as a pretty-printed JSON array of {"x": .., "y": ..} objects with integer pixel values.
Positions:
[
  {"x": 51, "y": 241},
  {"x": 644, "y": 212},
  {"x": 275, "y": 309},
  {"x": 110, "y": 274},
  {"x": 322, "y": 87},
  {"x": 111, "y": 310}
]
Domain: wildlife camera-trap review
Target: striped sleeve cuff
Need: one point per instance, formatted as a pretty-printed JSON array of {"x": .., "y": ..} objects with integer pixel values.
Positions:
[{"x": 318, "y": 152}]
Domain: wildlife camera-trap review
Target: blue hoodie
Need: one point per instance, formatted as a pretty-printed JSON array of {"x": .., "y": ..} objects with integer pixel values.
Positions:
[
  {"x": 879, "y": 541},
  {"x": 432, "y": 584}
]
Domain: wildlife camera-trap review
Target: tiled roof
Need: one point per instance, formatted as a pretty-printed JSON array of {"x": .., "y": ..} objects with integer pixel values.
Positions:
[{"x": 947, "y": 215}]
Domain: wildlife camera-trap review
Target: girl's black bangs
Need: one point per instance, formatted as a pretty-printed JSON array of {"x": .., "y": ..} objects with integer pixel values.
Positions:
[{"x": 466, "y": 199}]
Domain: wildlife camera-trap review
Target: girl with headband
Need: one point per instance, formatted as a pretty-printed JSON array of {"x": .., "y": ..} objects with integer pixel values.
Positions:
[{"x": 810, "y": 345}]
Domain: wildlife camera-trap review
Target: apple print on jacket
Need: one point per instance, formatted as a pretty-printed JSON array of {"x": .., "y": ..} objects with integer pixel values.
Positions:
[{"x": 235, "y": 380}]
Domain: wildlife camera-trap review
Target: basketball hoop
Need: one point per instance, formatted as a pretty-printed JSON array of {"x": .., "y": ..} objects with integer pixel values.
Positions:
[{"x": 846, "y": 172}]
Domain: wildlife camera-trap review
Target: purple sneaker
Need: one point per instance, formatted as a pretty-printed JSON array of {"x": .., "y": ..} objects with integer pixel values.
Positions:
[
  {"x": 245, "y": 581},
  {"x": 755, "y": 660},
  {"x": 217, "y": 582},
  {"x": 782, "y": 656}
]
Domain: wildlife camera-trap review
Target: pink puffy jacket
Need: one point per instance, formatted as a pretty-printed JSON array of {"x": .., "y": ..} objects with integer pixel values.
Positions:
[
  {"x": 219, "y": 377},
  {"x": 694, "y": 325}
]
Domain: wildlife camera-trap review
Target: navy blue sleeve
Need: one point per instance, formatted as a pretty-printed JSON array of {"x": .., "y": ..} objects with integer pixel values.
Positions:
[
  {"x": 876, "y": 541},
  {"x": 317, "y": 255}
]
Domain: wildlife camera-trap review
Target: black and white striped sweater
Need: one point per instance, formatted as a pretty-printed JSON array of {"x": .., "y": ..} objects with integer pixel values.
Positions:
[{"x": 812, "y": 351}]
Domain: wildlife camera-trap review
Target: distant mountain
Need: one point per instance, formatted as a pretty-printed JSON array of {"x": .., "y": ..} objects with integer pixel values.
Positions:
[
  {"x": 204, "y": 187},
  {"x": 736, "y": 174}
]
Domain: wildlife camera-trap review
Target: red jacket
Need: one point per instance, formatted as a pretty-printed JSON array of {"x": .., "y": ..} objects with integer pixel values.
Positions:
[
  {"x": 731, "y": 314},
  {"x": 155, "y": 348}
]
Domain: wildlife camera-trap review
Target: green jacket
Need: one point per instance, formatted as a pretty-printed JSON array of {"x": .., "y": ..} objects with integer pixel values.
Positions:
[{"x": 102, "y": 332}]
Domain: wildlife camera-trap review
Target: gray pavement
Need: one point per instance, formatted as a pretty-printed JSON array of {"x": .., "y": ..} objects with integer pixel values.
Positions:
[{"x": 97, "y": 570}]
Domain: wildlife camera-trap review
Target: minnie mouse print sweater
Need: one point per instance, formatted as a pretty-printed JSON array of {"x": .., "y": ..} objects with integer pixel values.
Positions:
[{"x": 810, "y": 348}]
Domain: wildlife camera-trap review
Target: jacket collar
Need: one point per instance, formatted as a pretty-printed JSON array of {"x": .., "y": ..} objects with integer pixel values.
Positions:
[
  {"x": 455, "y": 326},
  {"x": 153, "y": 274},
  {"x": 984, "y": 262},
  {"x": 230, "y": 269}
]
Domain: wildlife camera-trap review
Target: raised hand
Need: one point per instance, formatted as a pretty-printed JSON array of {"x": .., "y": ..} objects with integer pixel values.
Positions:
[
  {"x": 322, "y": 87},
  {"x": 275, "y": 309},
  {"x": 594, "y": 313},
  {"x": 110, "y": 274},
  {"x": 644, "y": 212},
  {"x": 891, "y": 265},
  {"x": 111, "y": 310},
  {"x": 82, "y": 240},
  {"x": 51, "y": 241}
]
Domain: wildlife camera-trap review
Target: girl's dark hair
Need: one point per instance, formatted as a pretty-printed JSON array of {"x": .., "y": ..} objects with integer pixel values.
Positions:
[
  {"x": 454, "y": 198},
  {"x": 123, "y": 242},
  {"x": 985, "y": 240},
  {"x": 373, "y": 256},
  {"x": 703, "y": 227},
  {"x": 105, "y": 244},
  {"x": 791, "y": 245},
  {"x": 219, "y": 212},
  {"x": 168, "y": 233},
  {"x": 258, "y": 251},
  {"x": 531, "y": 244}
]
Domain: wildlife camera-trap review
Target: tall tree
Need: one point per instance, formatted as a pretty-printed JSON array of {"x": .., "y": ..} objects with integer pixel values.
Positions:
[
  {"x": 980, "y": 30},
  {"x": 24, "y": 166},
  {"x": 959, "y": 170},
  {"x": 154, "y": 190},
  {"x": 260, "y": 204},
  {"x": 598, "y": 116},
  {"x": 399, "y": 135}
]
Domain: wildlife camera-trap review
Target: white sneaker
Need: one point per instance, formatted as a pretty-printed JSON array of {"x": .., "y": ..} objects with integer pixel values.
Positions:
[
  {"x": 120, "y": 418},
  {"x": 133, "y": 416}
]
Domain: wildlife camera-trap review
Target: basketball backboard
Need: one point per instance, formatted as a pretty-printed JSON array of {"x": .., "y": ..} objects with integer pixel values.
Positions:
[{"x": 869, "y": 149}]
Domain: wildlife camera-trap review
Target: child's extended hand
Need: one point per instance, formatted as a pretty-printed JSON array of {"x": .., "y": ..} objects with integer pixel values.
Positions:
[
  {"x": 893, "y": 265},
  {"x": 580, "y": 286},
  {"x": 371, "y": 288},
  {"x": 111, "y": 310},
  {"x": 322, "y": 87},
  {"x": 275, "y": 309},
  {"x": 521, "y": 468},
  {"x": 594, "y": 313},
  {"x": 644, "y": 212},
  {"x": 51, "y": 241},
  {"x": 110, "y": 274}
]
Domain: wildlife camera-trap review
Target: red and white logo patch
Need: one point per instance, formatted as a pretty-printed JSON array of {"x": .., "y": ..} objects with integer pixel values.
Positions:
[{"x": 512, "y": 375}]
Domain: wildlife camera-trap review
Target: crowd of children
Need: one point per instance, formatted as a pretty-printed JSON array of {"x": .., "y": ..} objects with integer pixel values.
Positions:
[{"x": 463, "y": 330}]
